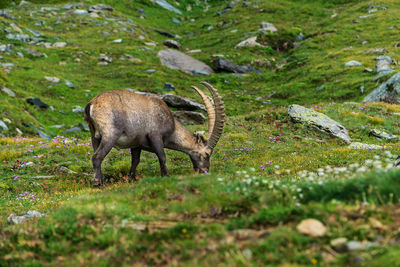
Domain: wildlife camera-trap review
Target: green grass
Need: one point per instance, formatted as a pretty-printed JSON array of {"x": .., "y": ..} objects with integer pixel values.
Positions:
[{"x": 264, "y": 172}]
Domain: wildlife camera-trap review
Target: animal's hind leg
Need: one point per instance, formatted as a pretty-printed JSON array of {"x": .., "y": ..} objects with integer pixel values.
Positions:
[
  {"x": 106, "y": 144},
  {"x": 95, "y": 143},
  {"x": 158, "y": 146},
  {"x": 135, "y": 153}
]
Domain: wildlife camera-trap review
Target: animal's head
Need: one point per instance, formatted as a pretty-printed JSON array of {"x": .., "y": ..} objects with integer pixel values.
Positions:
[{"x": 216, "y": 118}]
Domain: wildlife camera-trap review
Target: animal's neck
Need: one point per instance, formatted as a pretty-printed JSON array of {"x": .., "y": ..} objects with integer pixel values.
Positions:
[{"x": 181, "y": 140}]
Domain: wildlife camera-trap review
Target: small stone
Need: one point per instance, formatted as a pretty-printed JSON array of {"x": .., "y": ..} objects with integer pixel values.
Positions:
[
  {"x": 20, "y": 54},
  {"x": 355, "y": 246},
  {"x": 37, "y": 102},
  {"x": 266, "y": 26},
  {"x": 3, "y": 126},
  {"x": 383, "y": 135},
  {"x": 172, "y": 44},
  {"x": 14, "y": 219},
  {"x": 150, "y": 70},
  {"x": 69, "y": 84},
  {"x": 78, "y": 110},
  {"x": 99, "y": 7},
  {"x": 169, "y": 86},
  {"x": 168, "y": 6},
  {"x": 376, "y": 51},
  {"x": 57, "y": 126},
  {"x": 34, "y": 53},
  {"x": 250, "y": 42},
  {"x": 80, "y": 12},
  {"x": 357, "y": 145},
  {"x": 59, "y": 44},
  {"x": 311, "y": 227},
  {"x": 65, "y": 169},
  {"x": 105, "y": 59},
  {"x": 84, "y": 126},
  {"x": 73, "y": 130},
  {"x": 353, "y": 63},
  {"x": 118, "y": 41},
  {"x": 52, "y": 79},
  {"x": 339, "y": 244},
  {"x": 94, "y": 15},
  {"x": 8, "y": 92},
  {"x": 176, "y": 21}
]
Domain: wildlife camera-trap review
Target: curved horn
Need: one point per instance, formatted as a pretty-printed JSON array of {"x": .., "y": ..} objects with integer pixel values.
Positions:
[
  {"x": 219, "y": 120},
  {"x": 210, "y": 110}
]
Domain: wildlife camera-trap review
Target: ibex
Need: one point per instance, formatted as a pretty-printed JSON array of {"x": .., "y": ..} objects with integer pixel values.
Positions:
[{"x": 123, "y": 119}]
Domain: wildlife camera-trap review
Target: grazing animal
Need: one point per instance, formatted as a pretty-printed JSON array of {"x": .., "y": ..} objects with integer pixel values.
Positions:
[{"x": 123, "y": 119}]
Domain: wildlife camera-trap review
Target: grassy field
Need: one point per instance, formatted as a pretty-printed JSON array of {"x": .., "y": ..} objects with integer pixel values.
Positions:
[{"x": 267, "y": 173}]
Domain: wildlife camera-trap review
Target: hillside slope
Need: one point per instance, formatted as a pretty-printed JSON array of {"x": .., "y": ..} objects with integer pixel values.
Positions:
[{"x": 268, "y": 174}]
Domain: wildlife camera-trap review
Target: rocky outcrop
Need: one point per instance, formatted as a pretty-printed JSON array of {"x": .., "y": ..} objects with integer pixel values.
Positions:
[
  {"x": 177, "y": 60},
  {"x": 389, "y": 91},
  {"x": 318, "y": 121}
]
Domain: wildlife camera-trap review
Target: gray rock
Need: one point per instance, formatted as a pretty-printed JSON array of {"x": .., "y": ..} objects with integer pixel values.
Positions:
[
  {"x": 189, "y": 117},
  {"x": 376, "y": 51},
  {"x": 169, "y": 86},
  {"x": 34, "y": 53},
  {"x": 71, "y": 6},
  {"x": 353, "y": 63},
  {"x": 168, "y": 34},
  {"x": 37, "y": 102},
  {"x": 250, "y": 42},
  {"x": 39, "y": 132},
  {"x": 14, "y": 219},
  {"x": 383, "y": 64},
  {"x": 3, "y": 126},
  {"x": 69, "y": 84},
  {"x": 357, "y": 145},
  {"x": 200, "y": 72},
  {"x": 20, "y": 54},
  {"x": 221, "y": 64},
  {"x": 73, "y": 130},
  {"x": 172, "y": 44},
  {"x": 84, "y": 126},
  {"x": 52, "y": 79},
  {"x": 80, "y": 12},
  {"x": 176, "y": 21},
  {"x": 226, "y": 9},
  {"x": 19, "y": 37},
  {"x": 318, "y": 121},
  {"x": 141, "y": 11},
  {"x": 105, "y": 59},
  {"x": 35, "y": 33},
  {"x": 322, "y": 87},
  {"x": 100, "y": 7},
  {"x": 59, "y": 44},
  {"x": 78, "y": 110},
  {"x": 266, "y": 26},
  {"x": 65, "y": 169},
  {"x": 389, "y": 91},
  {"x": 151, "y": 70},
  {"x": 339, "y": 244},
  {"x": 168, "y": 6},
  {"x": 176, "y": 60},
  {"x": 57, "y": 126},
  {"x": 4, "y": 14},
  {"x": 383, "y": 135},
  {"x": 8, "y": 92},
  {"x": 182, "y": 102}
]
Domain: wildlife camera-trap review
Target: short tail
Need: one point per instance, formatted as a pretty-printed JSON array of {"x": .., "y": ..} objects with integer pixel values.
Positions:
[{"x": 89, "y": 120}]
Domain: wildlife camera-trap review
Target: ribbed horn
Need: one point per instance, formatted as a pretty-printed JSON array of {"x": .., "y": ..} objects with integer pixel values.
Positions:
[
  {"x": 219, "y": 119},
  {"x": 210, "y": 110}
]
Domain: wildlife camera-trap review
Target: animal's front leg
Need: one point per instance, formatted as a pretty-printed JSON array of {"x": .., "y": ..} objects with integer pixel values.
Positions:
[{"x": 158, "y": 146}]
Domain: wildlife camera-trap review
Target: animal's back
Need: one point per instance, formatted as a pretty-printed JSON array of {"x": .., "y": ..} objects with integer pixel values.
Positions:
[{"x": 132, "y": 114}]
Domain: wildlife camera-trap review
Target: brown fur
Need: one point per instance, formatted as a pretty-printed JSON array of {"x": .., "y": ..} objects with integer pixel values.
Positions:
[{"x": 123, "y": 119}]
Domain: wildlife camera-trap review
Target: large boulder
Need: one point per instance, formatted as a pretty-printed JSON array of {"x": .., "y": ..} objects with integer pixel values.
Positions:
[
  {"x": 182, "y": 102},
  {"x": 177, "y": 60},
  {"x": 168, "y": 6},
  {"x": 222, "y": 64},
  {"x": 389, "y": 91},
  {"x": 189, "y": 117},
  {"x": 318, "y": 121}
]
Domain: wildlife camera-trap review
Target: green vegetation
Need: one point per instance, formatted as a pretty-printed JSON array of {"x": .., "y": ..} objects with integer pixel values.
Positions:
[{"x": 267, "y": 173}]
